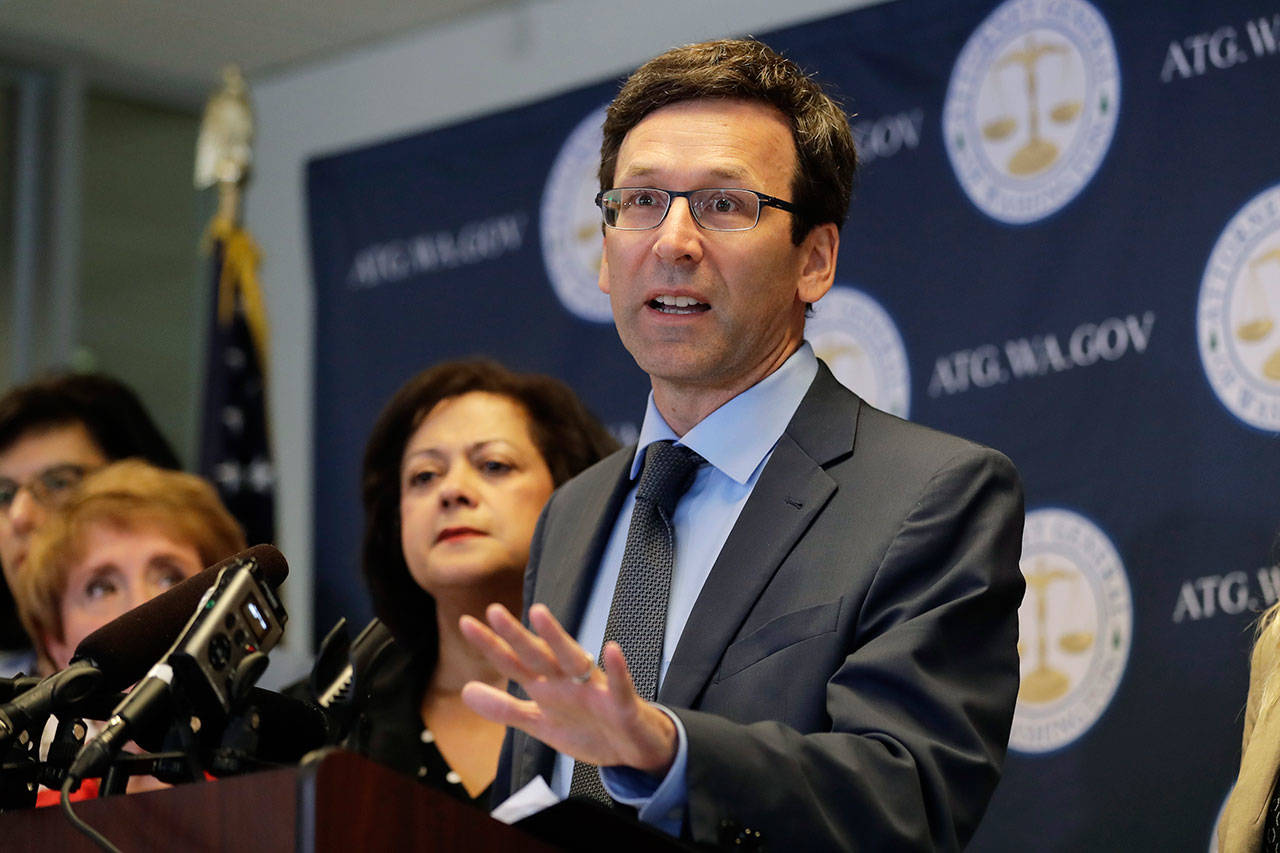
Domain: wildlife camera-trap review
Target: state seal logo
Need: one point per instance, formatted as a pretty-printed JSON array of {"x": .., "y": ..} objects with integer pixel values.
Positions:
[
  {"x": 1031, "y": 107},
  {"x": 1075, "y": 627},
  {"x": 570, "y": 222},
  {"x": 1235, "y": 326},
  {"x": 860, "y": 343}
]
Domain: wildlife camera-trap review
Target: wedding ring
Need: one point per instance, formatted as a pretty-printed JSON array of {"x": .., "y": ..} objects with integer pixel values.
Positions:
[{"x": 584, "y": 677}]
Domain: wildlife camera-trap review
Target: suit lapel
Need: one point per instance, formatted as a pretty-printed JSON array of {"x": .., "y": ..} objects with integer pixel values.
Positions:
[
  {"x": 570, "y": 559},
  {"x": 574, "y": 555},
  {"x": 792, "y": 489}
]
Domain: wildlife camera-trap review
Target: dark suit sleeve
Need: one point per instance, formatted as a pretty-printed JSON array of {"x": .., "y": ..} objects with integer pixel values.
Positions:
[{"x": 918, "y": 709}]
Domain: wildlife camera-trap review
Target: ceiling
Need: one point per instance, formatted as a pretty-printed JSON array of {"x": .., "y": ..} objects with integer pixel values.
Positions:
[{"x": 171, "y": 51}]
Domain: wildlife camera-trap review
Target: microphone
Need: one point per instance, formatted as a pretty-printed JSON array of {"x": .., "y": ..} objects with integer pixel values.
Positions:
[
  {"x": 126, "y": 647},
  {"x": 216, "y": 657},
  {"x": 339, "y": 689},
  {"x": 17, "y": 685},
  {"x": 287, "y": 728},
  {"x": 59, "y": 690},
  {"x": 120, "y": 652}
]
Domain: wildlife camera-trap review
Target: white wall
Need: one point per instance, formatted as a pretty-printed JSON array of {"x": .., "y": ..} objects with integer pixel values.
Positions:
[{"x": 493, "y": 61}]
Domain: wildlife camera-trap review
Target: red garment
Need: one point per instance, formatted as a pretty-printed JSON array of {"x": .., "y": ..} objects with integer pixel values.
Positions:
[
  {"x": 88, "y": 791},
  {"x": 48, "y": 797}
]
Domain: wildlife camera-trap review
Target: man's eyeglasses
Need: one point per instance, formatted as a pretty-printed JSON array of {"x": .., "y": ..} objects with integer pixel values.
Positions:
[
  {"x": 642, "y": 208},
  {"x": 50, "y": 487}
]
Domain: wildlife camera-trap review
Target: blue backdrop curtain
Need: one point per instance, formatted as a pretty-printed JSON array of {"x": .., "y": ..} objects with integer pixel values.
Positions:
[{"x": 1065, "y": 243}]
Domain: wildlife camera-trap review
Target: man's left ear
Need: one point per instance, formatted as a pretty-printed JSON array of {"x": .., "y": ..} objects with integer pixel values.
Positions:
[{"x": 819, "y": 251}]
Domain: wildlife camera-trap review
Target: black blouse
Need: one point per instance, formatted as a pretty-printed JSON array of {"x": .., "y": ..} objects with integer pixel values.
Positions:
[{"x": 390, "y": 729}]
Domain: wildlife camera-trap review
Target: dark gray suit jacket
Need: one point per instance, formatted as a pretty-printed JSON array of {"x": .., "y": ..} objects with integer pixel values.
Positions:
[{"x": 848, "y": 674}]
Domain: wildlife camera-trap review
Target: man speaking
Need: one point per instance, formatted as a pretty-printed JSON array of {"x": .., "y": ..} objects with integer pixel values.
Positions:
[{"x": 790, "y": 619}]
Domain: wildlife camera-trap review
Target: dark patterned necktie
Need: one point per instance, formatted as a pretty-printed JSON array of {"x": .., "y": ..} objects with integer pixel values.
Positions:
[{"x": 638, "y": 612}]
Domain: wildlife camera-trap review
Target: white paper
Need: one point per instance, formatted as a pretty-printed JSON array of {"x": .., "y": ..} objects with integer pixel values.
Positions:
[{"x": 530, "y": 799}]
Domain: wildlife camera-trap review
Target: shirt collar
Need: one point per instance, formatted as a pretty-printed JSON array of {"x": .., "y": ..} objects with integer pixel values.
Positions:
[{"x": 736, "y": 437}]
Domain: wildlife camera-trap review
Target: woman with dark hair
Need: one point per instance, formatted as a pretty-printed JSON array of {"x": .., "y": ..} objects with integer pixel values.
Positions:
[
  {"x": 456, "y": 471},
  {"x": 54, "y": 431}
]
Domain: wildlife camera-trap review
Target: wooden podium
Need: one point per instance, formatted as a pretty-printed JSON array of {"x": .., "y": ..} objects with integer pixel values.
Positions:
[{"x": 338, "y": 802}]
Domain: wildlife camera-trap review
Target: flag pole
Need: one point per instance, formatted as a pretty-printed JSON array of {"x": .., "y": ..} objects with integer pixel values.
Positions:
[{"x": 235, "y": 448}]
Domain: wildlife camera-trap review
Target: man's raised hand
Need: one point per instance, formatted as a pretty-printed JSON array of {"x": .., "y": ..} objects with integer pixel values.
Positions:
[{"x": 574, "y": 707}]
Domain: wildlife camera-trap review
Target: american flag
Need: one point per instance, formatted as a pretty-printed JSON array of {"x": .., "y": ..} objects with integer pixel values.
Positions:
[{"x": 235, "y": 449}]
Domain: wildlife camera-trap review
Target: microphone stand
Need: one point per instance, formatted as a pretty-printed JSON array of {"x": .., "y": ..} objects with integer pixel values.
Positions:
[{"x": 19, "y": 770}]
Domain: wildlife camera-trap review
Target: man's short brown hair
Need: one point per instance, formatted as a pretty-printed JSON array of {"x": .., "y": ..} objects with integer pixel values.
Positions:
[
  {"x": 745, "y": 69},
  {"x": 128, "y": 495}
]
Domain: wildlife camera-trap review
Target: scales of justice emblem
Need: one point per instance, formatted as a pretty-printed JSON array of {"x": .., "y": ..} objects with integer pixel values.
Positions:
[
  {"x": 1031, "y": 107},
  {"x": 1038, "y": 150},
  {"x": 1261, "y": 277},
  {"x": 570, "y": 222},
  {"x": 1074, "y": 627},
  {"x": 858, "y": 340},
  {"x": 1235, "y": 315},
  {"x": 1044, "y": 682}
]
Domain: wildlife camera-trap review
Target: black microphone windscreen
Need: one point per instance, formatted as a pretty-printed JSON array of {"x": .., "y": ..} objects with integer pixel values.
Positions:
[
  {"x": 126, "y": 647},
  {"x": 289, "y": 728}
]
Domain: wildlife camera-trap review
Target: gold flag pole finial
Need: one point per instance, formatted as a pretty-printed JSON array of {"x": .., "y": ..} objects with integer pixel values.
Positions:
[
  {"x": 224, "y": 155},
  {"x": 224, "y": 148}
]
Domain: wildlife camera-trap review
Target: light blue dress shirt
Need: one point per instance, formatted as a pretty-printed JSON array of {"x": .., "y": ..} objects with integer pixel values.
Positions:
[{"x": 736, "y": 440}]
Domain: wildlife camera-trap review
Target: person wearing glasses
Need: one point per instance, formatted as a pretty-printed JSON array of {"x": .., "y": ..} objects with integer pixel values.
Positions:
[
  {"x": 53, "y": 431},
  {"x": 814, "y": 647},
  {"x": 128, "y": 532}
]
